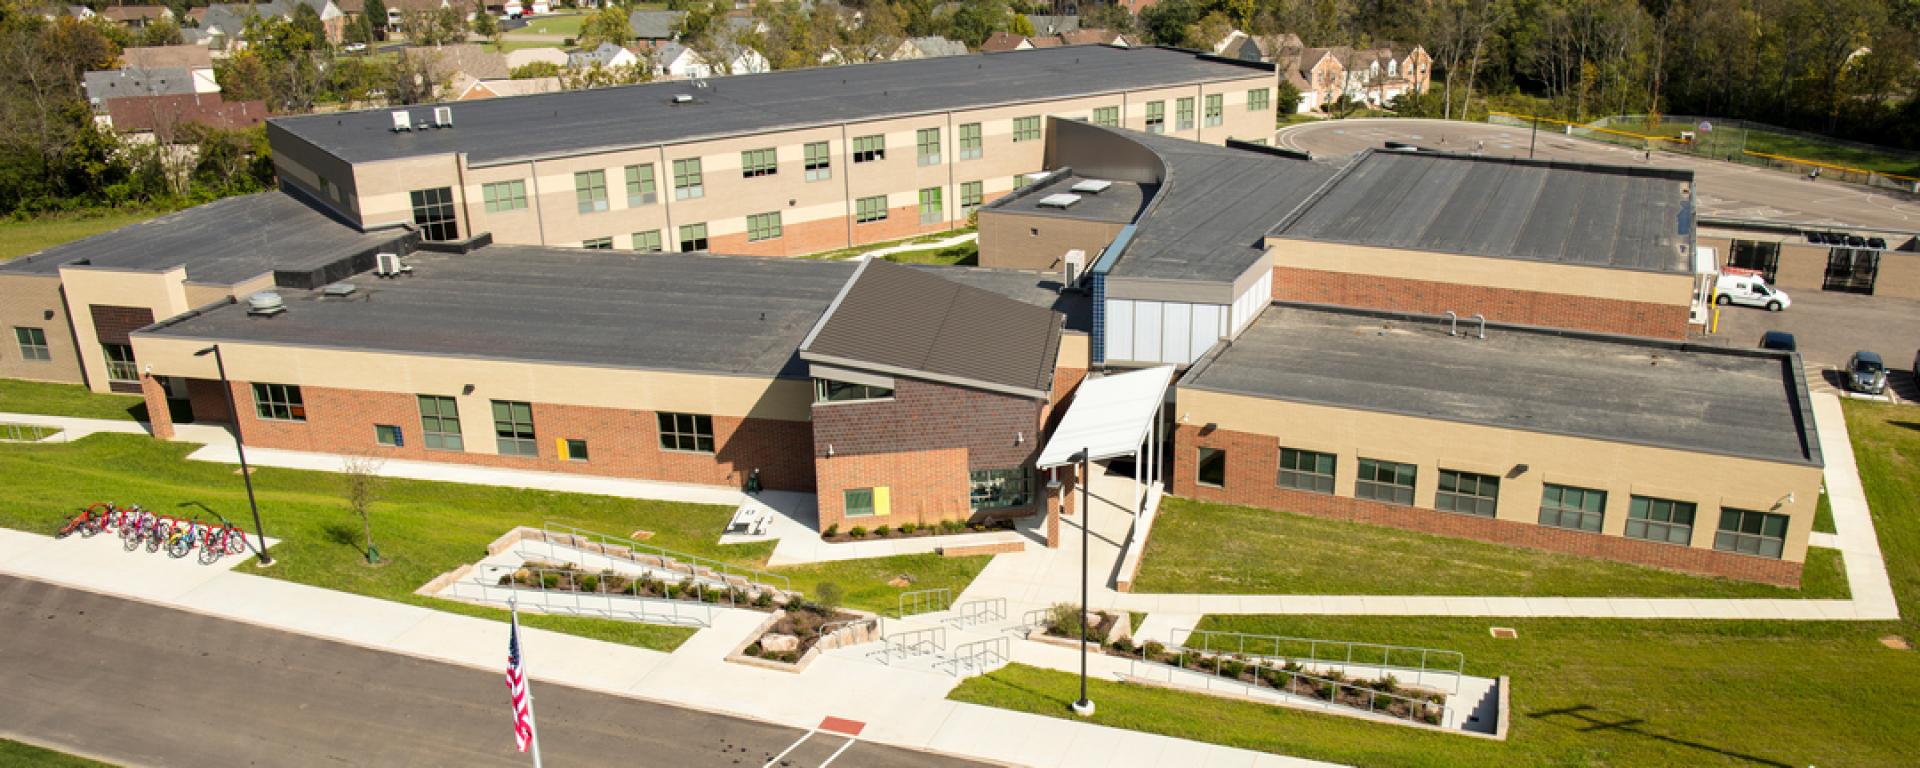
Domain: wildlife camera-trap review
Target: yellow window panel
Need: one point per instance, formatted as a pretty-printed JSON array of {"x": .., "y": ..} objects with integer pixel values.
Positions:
[{"x": 882, "y": 501}]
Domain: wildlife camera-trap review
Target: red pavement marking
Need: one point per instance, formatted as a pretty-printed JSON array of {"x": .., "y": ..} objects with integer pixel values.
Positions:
[{"x": 842, "y": 726}]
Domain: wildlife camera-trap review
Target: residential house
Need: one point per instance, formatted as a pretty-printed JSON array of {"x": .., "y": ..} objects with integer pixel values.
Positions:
[
  {"x": 928, "y": 48},
  {"x": 607, "y": 55},
  {"x": 468, "y": 89},
  {"x": 673, "y": 61},
  {"x": 525, "y": 56},
  {"x": 136, "y": 16},
  {"x": 655, "y": 26},
  {"x": 1373, "y": 76},
  {"x": 223, "y": 24},
  {"x": 106, "y": 85},
  {"x": 193, "y": 57},
  {"x": 1000, "y": 42},
  {"x": 159, "y": 118}
]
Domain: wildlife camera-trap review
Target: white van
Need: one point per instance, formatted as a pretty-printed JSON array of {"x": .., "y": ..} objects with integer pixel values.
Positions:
[{"x": 1751, "y": 291}]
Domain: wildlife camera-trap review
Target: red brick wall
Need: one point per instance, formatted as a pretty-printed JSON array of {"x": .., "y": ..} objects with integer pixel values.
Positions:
[
  {"x": 208, "y": 403},
  {"x": 620, "y": 443},
  {"x": 1500, "y": 305},
  {"x": 158, "y": 417},
  {"x": 112, "y": 324},
  {"x": 925, "y": 486},
  {"x": 997, "y": 431},
  {"x": 1253, "y": 468}
]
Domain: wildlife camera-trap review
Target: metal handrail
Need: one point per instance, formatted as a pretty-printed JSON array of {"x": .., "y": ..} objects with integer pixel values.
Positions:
[
  {"x": 1237, "y": 643},
  {"x": 599, "y": 603},
  {"x": 692, "y": 561},
  {"x": 1034, "y": 619},
  {"x": 1375, "y": 698},
  {"x": 981, "y": 655},
  {"x": 941, "y": 598},
  {"x": 26, "y": 433}
]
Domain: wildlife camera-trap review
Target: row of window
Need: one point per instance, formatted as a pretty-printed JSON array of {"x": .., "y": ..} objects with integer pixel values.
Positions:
[
  {"x": 768, "y": 226},
  {"x": 987, "y": 490},
  {"x": 1471, "y": 493}
]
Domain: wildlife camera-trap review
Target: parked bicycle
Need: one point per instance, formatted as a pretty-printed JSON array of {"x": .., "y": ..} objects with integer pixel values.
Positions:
[
  {"x": 87, "y": 523},
  {"x": 185, "y": 538}
]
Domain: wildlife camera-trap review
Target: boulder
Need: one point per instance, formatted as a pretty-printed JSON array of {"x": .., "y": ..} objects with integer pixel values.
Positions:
[{"x": 775, "y": 642}]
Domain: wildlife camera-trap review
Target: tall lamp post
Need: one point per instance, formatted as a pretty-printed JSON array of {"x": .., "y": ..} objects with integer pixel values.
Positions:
[
  {"x": 240, "y": 446},
  {"x": 1084, "y": 707}
]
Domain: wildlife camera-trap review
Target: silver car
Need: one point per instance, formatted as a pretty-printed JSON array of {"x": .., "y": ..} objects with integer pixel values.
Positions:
[{"x": 1866, "y": 373}]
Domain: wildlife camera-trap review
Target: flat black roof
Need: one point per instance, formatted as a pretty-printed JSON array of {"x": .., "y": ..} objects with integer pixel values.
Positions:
[
  {"x": 1571, "y": 213},
  {"x": 600, "y": 119},
  {"x": 1119, "y": 203},
  {"x": 224, "y": 242},
  {"x": 1736, "y": 402}
]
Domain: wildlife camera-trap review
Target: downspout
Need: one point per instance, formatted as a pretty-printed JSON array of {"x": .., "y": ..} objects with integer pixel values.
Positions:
[{"x": 539, "y": 211}]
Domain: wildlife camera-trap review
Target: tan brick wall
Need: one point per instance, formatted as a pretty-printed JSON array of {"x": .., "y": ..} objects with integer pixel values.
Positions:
[
  {"x": 34, "y": 301},
  {"x": 925, "y": 486},
  {"x": 1500, "y": 305},
  {"x": 159, "y": 418}
]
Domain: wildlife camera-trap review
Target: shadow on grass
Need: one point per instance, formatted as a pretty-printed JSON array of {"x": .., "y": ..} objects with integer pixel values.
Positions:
[
  {"x": 1906, "y": 425},
  {"x": 341, "y": 534},
  {"x": 1587, "y": 719}
]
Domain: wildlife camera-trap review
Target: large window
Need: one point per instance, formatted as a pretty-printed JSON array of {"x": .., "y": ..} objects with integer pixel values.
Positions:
[
  {"x": 440, "y": 423},
  {"x": 513, "y": 428},
  {"x": 433, "y": 214},
  {"x": 1026, "y": 129},
  {"x": 120, "y": 364},
  {"x": 503, "y": 196},
  {"x": 927, "y": 143},
  {"x": 932, "y": 210},
  {"x": 1183, "y": 114},
  {"x": 859, "y": 502},
  {"x": 999, "y": 489},
  {"x": 279, "y": 402},
  {"x": 693, "y": 237},
  {"x": 971, "y": 145},
  {"x": 1580, "y": 509},
  {"x": 1216, "y": 109},
  {"x": 867, "y": 149},
  {"x": 590, "y": 190},
  {"x": 1756, "y": 255},
  {"x": 1258, "y": 100},
  {"x": 1211, "y": 468},
  {"x": 870, "y": 209},
  {"x": 830, "y": 391},
  {"x": 1468, "y": 493},
  {"x": 688, "y": 183},
  {"x": 971, "y": 193},
  {"x": 686, "y": 432},
  {"x": 1107, "y": 116},
  {"x": 1306, "y": 470},
  {"x": 597, "y": 244},
  {"x": 1156, "y": 117},
  {"x": 1662, "y": 520},
  {"x": 763, "y": 226},
  {"x": 1751, "y": 533},
  {"x": 1387, "y": 481},
  {"x": 758, "y": 162},
  {"x": 647, "y": 242},
  {"x": 33, "y": 343},
  {"x": 640, "y": 185},
  {"x": 819, "y": 161}
]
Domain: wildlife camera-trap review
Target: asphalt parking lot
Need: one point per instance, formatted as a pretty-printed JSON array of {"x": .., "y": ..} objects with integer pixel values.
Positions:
[{"x": 1830, "y": 327}]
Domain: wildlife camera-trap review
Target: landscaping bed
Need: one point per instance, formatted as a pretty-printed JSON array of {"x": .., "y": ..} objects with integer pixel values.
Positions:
[
  {"x": 791, "y": 637},
  {"x": 568, "y": 578},
  {"x": 833, "y": 534}
]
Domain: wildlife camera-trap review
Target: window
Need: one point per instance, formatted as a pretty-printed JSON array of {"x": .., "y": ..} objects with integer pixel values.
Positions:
[
  {"x": 1020, "y": 181},
  {"x": 1388, "y": 481},
  {"x": 1257, "y": 100},
  {"x": 830, "y": 391},
  {"x": 33, "y": 343},
  {"x": 120, "y": 364},
  {"x": 640, "y": 188},
  {"x": 576, "y": 450},
  {"x": 279, "y": 402},
  {"x": 1183, "y": 114},
  {"x": 1662, "y": 520},
  {"x": 819, "y": 161},
  {"x": 693, "y": 237},
  {"x": 1026, "y": 129},
  {"x": 1107, "y": 116},
  {"x": 928, "y": 142},
  {"x": 503, "y": 196},
  {"x": 388, "y": 435},
  {"x": 1306, "y": 470},
  {"x": 1564, "y": 506},
  {"x": 971, "y": 193},
  {"x": 433, "y": 214},
  {"x": 686, "y": 432},
  {"x": 999, "y": 489},
  {"x": 1761, "y": 256},
  {"x": 1751, "y": 533},
  {"x": 859, "y": 502},
  {"x": 590, "y": 190},
  {"x": 930, "y": 206},
  {"x": 1211, "y": 471},
  {"x": 971, "y": 145},
  {"x": 867, "y": 149},
  {"x": 763, "y": 226},
  {"x": 598, "y": 244},
  {"x": 1257, "y": 142},
  {"x": 687, "y": 181},
  {"x": 440, "y": 423},
  {"x": 1216, "y": 109},
  {"x": 647, "y": 242},
  {"x": 758, "y": 162},
  {"x": 513, "y": 428},
  {"x": 1156, "y": 117},
  {"x": 870, "y": 209},
  {"x": 1468, "y": 493}
]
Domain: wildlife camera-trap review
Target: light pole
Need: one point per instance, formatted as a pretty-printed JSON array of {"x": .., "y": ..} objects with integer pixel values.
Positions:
[
  {"x": 240, "y": 447},
  {"x": 1084, "y": 707}
]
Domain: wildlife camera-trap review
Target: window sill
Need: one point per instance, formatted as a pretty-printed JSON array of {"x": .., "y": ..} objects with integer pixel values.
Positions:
[
  {"x": 1314, "y": 491},
  {"x": 1575, "y": 530},
  {"x": 1209, "y": 485},
  {"x": 280, "y": 421},
  {"x": 664, "y": 449},
  {"x": 818, "y": 403}
]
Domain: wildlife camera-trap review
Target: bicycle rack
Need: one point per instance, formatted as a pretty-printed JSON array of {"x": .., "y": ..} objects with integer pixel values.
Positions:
[
  {"x": 975, "y": 612},
  {"x": 919, "y": 642},
  {"x": 925, "y": 601},
  {"x": 977, "y": 657}
]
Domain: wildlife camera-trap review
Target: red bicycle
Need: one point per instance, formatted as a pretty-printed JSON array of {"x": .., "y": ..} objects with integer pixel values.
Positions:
[{"x": 89, "y": 522}]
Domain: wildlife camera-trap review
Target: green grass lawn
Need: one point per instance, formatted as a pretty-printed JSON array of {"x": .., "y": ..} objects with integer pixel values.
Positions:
[
  {"x": 557, "y": 24},
  {"x": 14, "y": 754},
  {"x": 1602, "y": 692},
  {"x": 963, "y": 255},
  {"x": 848, "y": 253},
  {"x": 422, "y": 528},
  {"x": 1279, "y": 553},
  {"x": 1823, "y": 516},
  {"x": 19, "y": 238},
  {"x": 50, "y": 399},
  {"x": 24, "y": 433},
  {"x": 1836, "y": 154}
]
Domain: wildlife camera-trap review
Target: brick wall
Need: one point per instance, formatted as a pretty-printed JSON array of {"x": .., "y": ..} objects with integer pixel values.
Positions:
[
  {"x": 158, "y": 417},
  {"x": 1253, "y": 467},
  {"x": 926, "y": 486},
  {"x": 620, "y": 443},
  {"x": 998, "y": 431},
  {"x": 111, "y": 325},
  {"x": 1500, "y": 305}
]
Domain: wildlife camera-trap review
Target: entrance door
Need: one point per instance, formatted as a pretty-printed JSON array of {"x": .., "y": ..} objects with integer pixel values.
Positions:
[
  {"x": 1852, "y": 270},
  {"x": 1760, "y": 256},
  {"x": 179, "y": 406}
]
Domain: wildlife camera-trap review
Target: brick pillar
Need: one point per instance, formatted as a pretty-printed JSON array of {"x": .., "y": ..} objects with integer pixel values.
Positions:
[{"x": 158, "y": 416}]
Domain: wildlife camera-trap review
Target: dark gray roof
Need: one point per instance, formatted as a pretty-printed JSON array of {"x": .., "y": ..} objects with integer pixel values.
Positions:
[
  {"x": 655, "y": 25},
  {"x": 224, "y": 242},
  {"x": 1710, "y": 399},
  {"x": 898, "y": 319},
  {"x": 120, "y": 83},
  {"x": 496, "y": 130},
  {"x": 1041, "y": 289},
  {"x": 1596, "y": 215},
  {"x": 1120, "y": 202},
  {"x": 678, "y": 312}
]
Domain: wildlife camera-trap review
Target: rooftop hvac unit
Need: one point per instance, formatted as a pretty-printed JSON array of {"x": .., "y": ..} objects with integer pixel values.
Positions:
[
  {"x": 402, "y": 121},
  {"x": 1074, "y": 263},
  {"x": 683, "y": 98},
  {"x": 390, "y": 265},
  {"x": 443, "y": 117},
  {"x": 266, "y": 303},
  {"x": 339, "y": 290},
  {"x": 1060, "y": 200},
  {"x": 1092, "y": 186}
]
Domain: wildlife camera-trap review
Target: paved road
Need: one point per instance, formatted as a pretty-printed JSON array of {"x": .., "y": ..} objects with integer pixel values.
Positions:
[
  {"x": 1726, "y": 189},
  {"x": 143, "y": 685}
]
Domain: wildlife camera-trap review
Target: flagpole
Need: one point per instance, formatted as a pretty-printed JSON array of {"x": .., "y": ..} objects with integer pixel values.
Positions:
[{"x": 532, "y": 723}]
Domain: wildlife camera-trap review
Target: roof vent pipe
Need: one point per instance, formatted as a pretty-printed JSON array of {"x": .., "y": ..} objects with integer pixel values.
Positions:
[
  {"x": 1453, "y": 323},
  {"x": 1483, "y": 326}
]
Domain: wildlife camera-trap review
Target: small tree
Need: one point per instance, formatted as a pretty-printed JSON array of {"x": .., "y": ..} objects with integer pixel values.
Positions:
[
  {"x": 373, "y": 15},
  {"x": 360, "y": 474},
  {"x": 607, "y": 25},
  {"x": 484, "y": 25}
]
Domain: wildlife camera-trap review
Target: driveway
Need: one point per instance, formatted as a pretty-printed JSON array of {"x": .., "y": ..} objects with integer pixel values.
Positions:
[{"x": 1830, "y": 327}]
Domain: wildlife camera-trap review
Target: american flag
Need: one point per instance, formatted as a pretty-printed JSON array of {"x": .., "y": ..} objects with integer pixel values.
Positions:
[{"x": 517, "y": 689}]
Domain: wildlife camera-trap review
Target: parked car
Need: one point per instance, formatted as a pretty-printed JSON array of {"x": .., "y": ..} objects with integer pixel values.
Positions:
[
  {"x": 1783, "y": 341},
  {"x": 1866, "y": 373},
  {"x": 354, "y": 48},
  {"x": 1751, "y": 291}
]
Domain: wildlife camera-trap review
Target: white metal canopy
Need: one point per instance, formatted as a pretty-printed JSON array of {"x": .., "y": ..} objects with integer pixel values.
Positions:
[{"x": 1110, "y": 416}]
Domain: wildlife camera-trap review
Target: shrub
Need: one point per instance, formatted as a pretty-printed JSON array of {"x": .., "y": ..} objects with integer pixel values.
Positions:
[
  {"x": 1063, "y": 619},
  {"x": 907, "y": 528},
  {"x": 589, "y": 583},
  {"x": 883, "y": 531},
  {"x": 833, "y": 530},
  {"x": 709, "y": 596},
  {"x": 763, "y": 600},
  {"x": 549, "y": 580},
  {"x": 1232, "y": 668},
  {"x": 828, "y": 595},
  {"x": 1123, "y": 645},
  {"x": 1387, "y": 685},
  {"x": 1154, "y": 649},
  {"x": 858, "y": 532},
  {"x": 794, "y": 603}
]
